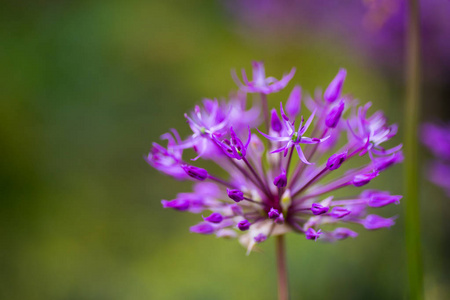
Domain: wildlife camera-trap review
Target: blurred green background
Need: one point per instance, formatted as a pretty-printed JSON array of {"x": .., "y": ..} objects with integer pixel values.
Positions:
[{"x": 86, "y": 86}]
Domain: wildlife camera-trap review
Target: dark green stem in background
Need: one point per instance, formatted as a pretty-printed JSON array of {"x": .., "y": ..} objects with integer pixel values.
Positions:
[
  {"x": 283, "y": 291},
  {"x": 412, "y": 108}
]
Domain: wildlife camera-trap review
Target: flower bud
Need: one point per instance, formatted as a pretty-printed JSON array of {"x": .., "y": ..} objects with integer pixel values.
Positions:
[
  {"x": 339, "y": 212},
  {"x": 333, "y": 90},
  {"x": 336, "y": 160},
  {"x": 280, "y": 219},
  {"x": 334, "y": 115},
  {"x": 244, "y": 225},
  {"x": 234, "y": 147},
  {"x": 166, "y": 160},
  {"x": 383, "y": 163},
  {"x": 260, "y": 238},
  {"x": 372, "y": 222},
  {"x": 194, "y": 172},
  {"x": 318, "y": 209},
  {"x": 379, "y": 200},
  {"x": 363, "y": 179},
  {"x": 275, "y": 121},
  {"x": 343, "y": 233},
  {"x": 236, "y": 209},
  {"x": 202, "y": 228},
  {"x": 214, "y": 218},
  {"x": 235, "y": 195},
  {"x": 178, "y": 204},
  {"x": 273, "y": 213},
  {"x": 311, "y": 234},
  {"x": 281, "y": 181},
  {"x": 293, "y": 103}
]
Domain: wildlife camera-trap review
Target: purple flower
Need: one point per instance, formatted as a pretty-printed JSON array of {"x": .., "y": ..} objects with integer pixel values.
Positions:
[
  {"x": 196, "y": 173},
  {"x": 244, "y": 225},
  {"x": 329, "y": 114},
  {"x": 311, "y": 234},
  {"x": 380, "y": 198},
  {"x": 273, "y": 213},
  {"x": 203, "y": 228},
  {"x": 368, "y": 133},
  {"x": 333, "y": 117},
  {"x": 383, "y": 163},
  {"x": 340, "y": 233},
  {"x": 204, "y": 196},
  {"x": 293, "y": 104},
  {"x": 235, "y": 195},
  {"x": 234, "y": 147},
  {"x": 261, "y": 191},
  {"x": 280, "y": 219},
  {"x": 205, "y": 123},
  {"x": 167, "y": 160},
  {"x": 343, "y": 233},
  {"x": 280, "y": 181},
  {"x": 439, "y": 175},
  {"x": 260, "y": 238},
  {"x": 378, "y": 27},
  {"x": 339, "y": 212},
  {"x": 318, "y": 209},
  {"x": 178, "y": 204},
  {"x": 336, "y": 160},
  {"x": 214, "y": 218},
  {"x": 261, "y": 84},
  {"x": 437, "y": 140},
  {"x": 333, "y": 91},
  {"x": 293, "y": 138},
  {"x": 275, "y": 121},
  {"x": 237, "y": 114},
  {"x": 363, "y": 179},
  {"x": 373, "y": 222},
  {"x": 236, "y": 210}
]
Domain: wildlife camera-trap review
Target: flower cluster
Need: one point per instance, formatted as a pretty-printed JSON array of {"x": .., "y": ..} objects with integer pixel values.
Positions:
[
  {"x": 281, "y": 176},
  {"x": 437, "y": 139}
]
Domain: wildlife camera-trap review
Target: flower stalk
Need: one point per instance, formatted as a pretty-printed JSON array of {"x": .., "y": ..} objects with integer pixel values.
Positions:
[
  {"x": 283, "y": 291},
  {"x": 412, "y": 107}
]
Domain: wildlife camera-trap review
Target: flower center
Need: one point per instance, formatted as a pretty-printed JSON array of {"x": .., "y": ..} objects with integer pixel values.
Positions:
[{"x": 294, "y": 137}]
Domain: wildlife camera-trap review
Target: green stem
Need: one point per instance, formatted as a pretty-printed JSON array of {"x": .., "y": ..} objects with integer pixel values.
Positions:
[
  {"x": 412, "y": 209},
  {"x": 283, "y": 291}
]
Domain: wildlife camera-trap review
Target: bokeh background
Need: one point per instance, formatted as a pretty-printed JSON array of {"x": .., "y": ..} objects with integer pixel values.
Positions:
[{"x": 86, "y": 86}]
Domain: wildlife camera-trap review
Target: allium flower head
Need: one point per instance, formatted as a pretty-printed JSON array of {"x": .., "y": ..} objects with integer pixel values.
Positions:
[
  {"x": 261, "y": 83},
  {"x": 284, "y": 179}
]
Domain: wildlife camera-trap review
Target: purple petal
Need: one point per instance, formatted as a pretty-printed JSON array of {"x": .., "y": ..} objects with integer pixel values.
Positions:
[
  {"x": 293, "y": 103},
  {"x": 301, "y": 155},
  {"x": 272, "y": 138},
  {"x": 333, "y": 90},
  {"x": 214, "y": 218},
  {"x": 275, "y": 121},
  {"x": 311, "y": 234},
  {"x": 343, "y": 233},
  {"x": 372, "y": 222},
  {"x": 202, "y": 228}
]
